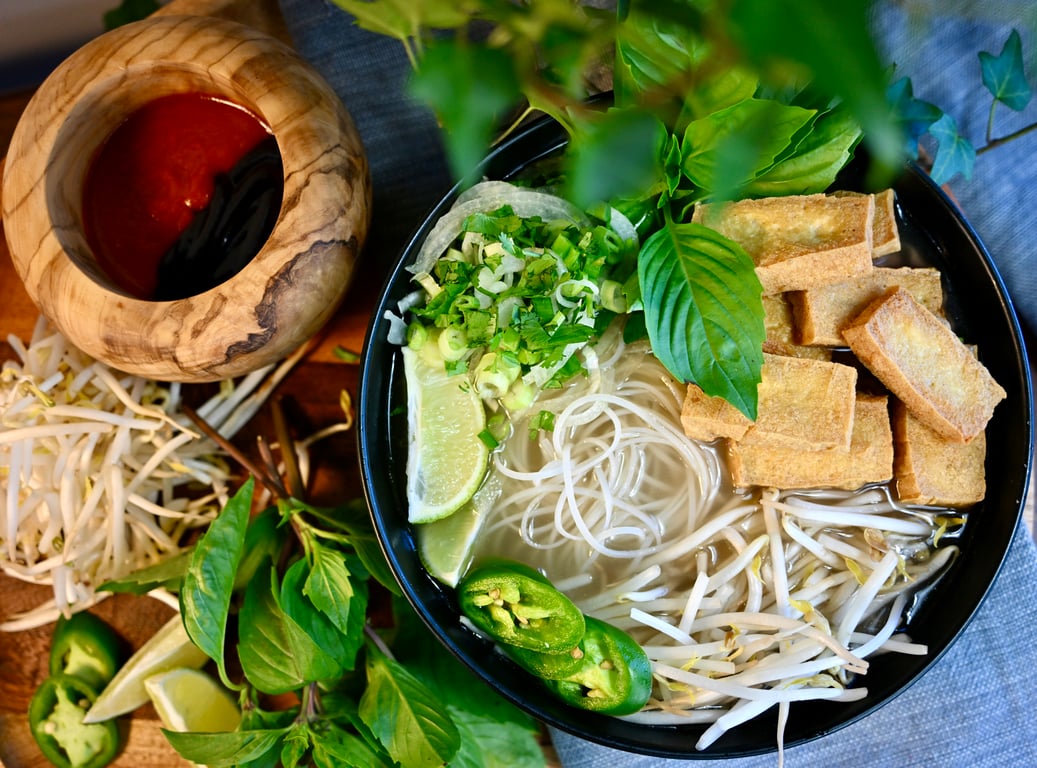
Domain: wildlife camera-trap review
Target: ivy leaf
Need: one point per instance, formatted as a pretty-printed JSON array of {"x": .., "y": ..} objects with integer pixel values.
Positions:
[
  {"x": 208, "y": 584},
  {"x": 915, "y": 116},
  {"x": 222, "y": 750},
  {"x": 334, "y": 747},
  {"x": 954, "y": 153},
  {"x": 628, "y": 143},
  {"x": 470, "y": 88},
  {"x": 406, "y": 716},
  {"x": 276, "y": 654},
  {"x": 703, "y": 311},
  {"x": 1003, "y": 75}
]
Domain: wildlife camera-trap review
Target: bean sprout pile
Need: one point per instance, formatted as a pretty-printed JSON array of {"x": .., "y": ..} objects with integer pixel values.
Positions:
[
  {"x": 96, "y": 465},
  {"x": 743, "y": 600}
]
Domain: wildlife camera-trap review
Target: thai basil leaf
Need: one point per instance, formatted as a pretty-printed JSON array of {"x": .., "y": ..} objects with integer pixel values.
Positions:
[
  {"x": 628, "y": 143},
  {"x": 494, "y": 731},
  {"x": 401, "y": 18},
  {"x": 469, "y": 88},
  {"x": 353, "y": 520},
  {"x": 166, "y": 573},
  {"x": 954, "y": 153},
  {"x": 208, "y": 584},
  {"x": 816, "y": 161},
  {"x": 295, "y": 745},
  {"x": 334, "y": 747},
  {"x": 276, "y": 654},
  {"x": 408, "y": 719},
  {"x": 340, "y": 597},
  {"x": 1003, "y": 75},
  {"x": 313, "y": 621},
  {"x": 264, "y": 539},
  {"x": 226, "y": 749},
  {"x": 703, "y": 311},
  {"x": 832, "y": 41},
  {"x": 760, "y": 130}
]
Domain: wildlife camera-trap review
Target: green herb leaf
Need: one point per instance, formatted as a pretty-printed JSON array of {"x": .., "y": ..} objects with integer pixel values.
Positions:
[
  {"x": 816, "y": 161},
  {"x": 166, "y": 573},
  {"x": 265, "y": 537},
  {"x": 494, "y": 732},
  {"x": 339, "y": 644},
  {"x": 334, "y": 747},
  {"x": 1003, "y": 75},
  {"x": 703, "y": 311},
  {"x": 295, "y": 745},
  {"x": 353, "y": 520},
  {"x": 405, "y": 715},
  {"x": 724, "y": 151},
  {"x": 470, "y": 88},
  {"x": 220, "y": 750},
  {"x": 276, "y": 654},
  {"x": 954, "y": 153},
  {"x": 208, "y": 584},
  {"x": 403, "y": 18},
  {"x": 628, "y": 143},
  {"x": 333, "y": 590},
  {"x": 831, "y": 43}
]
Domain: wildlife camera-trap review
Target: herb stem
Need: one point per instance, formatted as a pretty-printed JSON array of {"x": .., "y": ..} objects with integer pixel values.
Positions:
[
  {"x": 290, "y": 458},
  {"x": 377, "y": 640},
  {"x": 232, "y": 450}
]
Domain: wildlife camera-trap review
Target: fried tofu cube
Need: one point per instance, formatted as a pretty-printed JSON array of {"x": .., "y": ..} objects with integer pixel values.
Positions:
[
  {"x": 821, "y": 313},
  {"x": 932, "y": 470},
  {"x": 798, "y": 241},
  {"x": 921, "y": 361},
  {"x": 804, "y": 404},
  {"x": 868, "y": 460}
]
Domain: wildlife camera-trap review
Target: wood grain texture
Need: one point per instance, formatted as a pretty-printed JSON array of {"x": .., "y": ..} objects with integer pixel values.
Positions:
[{"x": 284, "y": 295}]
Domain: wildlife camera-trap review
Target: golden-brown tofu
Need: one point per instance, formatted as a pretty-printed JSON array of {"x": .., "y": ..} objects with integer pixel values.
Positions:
[
  {"x": 932, "y": 470},
  {"x": 798, "y": 241},
  {"x": 821, "y": 313},
  {"x": 869, "y": 459},
  {"x": 924, "y": 363}
]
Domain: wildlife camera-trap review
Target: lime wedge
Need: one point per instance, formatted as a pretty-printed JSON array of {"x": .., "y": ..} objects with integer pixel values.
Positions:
[
  {"x": 168, "y": 648},
  {"x": 446, "y": 459},
  {"x": 445, "y": 546},
  {"x": 188, "y": 699}
]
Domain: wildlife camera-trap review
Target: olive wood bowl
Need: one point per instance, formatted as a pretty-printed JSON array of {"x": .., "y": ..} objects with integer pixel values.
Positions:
[{"x": 289, "y": 289}]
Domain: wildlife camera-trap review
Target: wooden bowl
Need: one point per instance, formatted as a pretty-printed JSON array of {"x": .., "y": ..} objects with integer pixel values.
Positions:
[{"x": 283, "y": 296}]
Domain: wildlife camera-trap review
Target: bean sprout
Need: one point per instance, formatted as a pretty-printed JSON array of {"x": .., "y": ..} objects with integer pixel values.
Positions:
[{"x": 103, "y": 473}]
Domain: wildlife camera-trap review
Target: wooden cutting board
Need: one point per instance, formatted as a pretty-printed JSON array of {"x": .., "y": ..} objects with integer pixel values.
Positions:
[{"x": 310, "y": 394}]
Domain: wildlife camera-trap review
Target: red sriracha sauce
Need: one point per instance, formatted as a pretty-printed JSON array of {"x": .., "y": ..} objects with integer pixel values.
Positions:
[{"x": 181, "y": 196}]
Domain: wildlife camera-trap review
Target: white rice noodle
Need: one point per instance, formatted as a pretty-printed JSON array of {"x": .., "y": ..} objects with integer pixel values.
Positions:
[{"x": 742, "y": 602}]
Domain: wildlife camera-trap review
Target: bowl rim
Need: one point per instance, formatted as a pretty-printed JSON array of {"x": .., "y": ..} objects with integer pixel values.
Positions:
[{"x": 542, "y": 138}]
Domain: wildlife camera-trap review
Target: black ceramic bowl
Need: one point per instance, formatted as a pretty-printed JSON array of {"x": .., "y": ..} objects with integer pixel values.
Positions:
[{"x": 932, "y": 229}]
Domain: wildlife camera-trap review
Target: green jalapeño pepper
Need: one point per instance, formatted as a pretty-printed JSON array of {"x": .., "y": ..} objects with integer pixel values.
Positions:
[
  {"x": 85, "y": 646},
  {"x": 56, "y": 721},
  {"x": 615, "y": 676},
  {"x": 517, "y": 605}
]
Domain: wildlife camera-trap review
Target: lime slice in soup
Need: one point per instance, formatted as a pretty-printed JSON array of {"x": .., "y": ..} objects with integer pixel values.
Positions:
[
  {"x": 445, "y": 546},
  {"x": 446, "y": 458}
]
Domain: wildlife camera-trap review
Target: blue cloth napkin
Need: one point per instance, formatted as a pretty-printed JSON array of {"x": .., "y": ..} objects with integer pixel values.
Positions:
[{"x": 973, "y": 708}]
